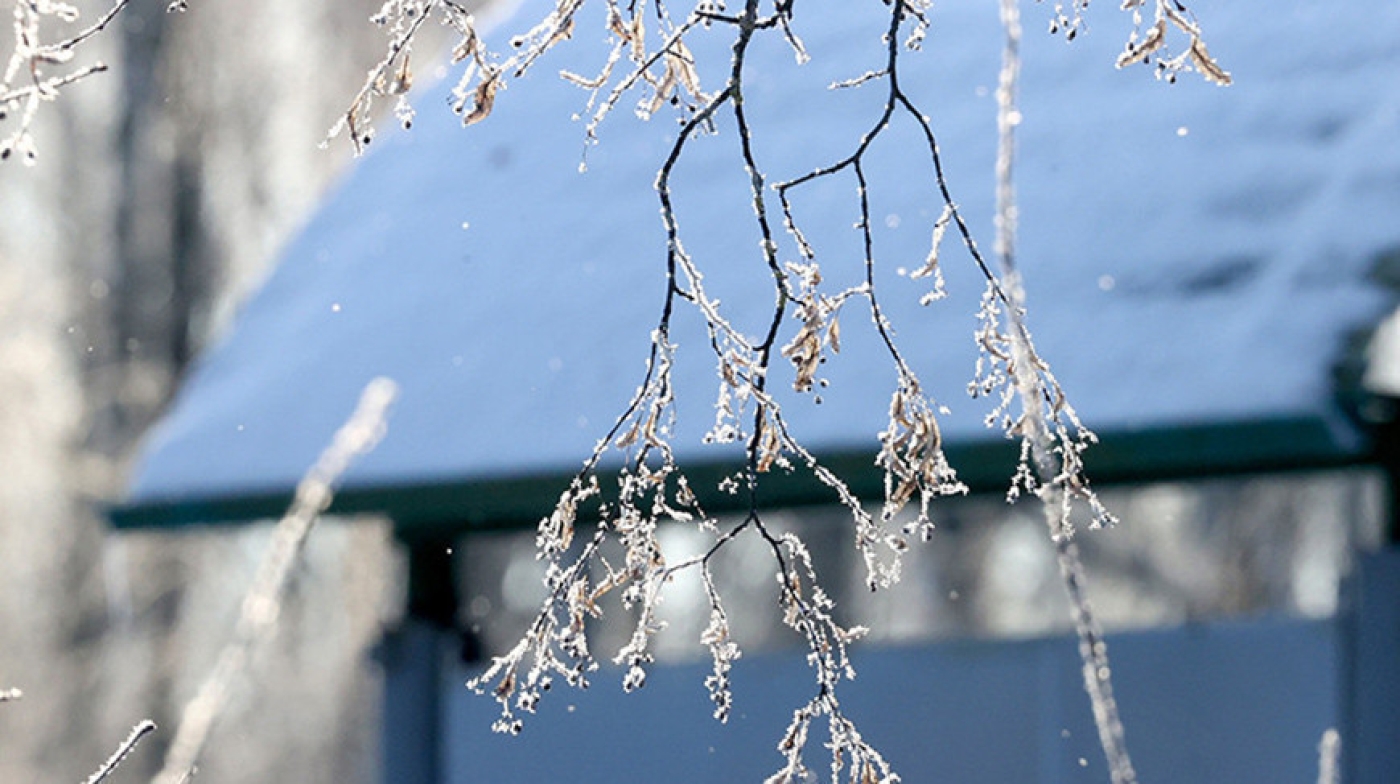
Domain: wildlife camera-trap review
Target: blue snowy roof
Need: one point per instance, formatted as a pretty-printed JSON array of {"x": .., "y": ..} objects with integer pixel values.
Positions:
[{"x": 1195, "y": 259}]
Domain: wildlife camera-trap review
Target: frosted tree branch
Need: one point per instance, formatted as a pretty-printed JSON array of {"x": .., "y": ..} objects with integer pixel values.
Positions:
[
  {"x": 123, "y": 751},
  {"x": 1329, "y": 756},
  {"x": 1027, "y": 402},
  {"x": 1041, "y": 430},
  {"x": 26, "y": 83},
  {"x": 263, "y": 602},
  {"x": 1149, "y": 45}
]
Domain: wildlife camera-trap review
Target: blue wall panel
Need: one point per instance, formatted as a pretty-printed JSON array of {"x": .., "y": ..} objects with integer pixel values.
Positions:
[{"x": 1221, "y": 702}]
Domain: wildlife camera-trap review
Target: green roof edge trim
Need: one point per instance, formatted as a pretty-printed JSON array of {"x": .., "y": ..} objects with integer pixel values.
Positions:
[{"x": 439, "y": 509}]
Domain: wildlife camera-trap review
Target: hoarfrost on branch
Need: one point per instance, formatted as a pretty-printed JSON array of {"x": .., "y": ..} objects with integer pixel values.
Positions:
[{"x": 650, "y": 60}]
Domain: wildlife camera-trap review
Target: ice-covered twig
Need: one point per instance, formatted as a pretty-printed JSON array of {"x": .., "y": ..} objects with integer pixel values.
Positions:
[
  {"x": 123, "y": 751},
  {"x": 1042, "y": 431},
  {"x": 25, "y": 84},
  {"x": 263, "y": 602}
]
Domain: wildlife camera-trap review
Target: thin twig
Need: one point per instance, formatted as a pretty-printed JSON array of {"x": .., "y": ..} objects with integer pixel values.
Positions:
[
  {"x": 1329, "y": 755},
  {"x": 1036, "y": 430},
  {"x": 28, "y": 61},
  {"x": 123, "y": 751},
  {"x": 263, "y": 601},
  {"x": 93, "y": 29}
]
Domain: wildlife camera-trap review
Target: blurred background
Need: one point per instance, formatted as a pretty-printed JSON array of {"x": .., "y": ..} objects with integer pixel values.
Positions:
[{"x": 162, "y": 191}]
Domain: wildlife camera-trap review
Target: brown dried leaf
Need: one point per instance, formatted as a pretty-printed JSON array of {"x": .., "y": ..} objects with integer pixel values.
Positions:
[
  {"x": 616, "y": 26},
  {"x": 638, "y": 39},
  {"x": 1206, "y": 64},
  {"x": 403, "y": 78},
  {"x": 1140, "y": 51},
  {"x": 769, "y": 448},
  {"x": 467, "y": 47},
  {"x": 507, "y": 685},
  {"x": 664, "y": 88},
  {"x": 805, "y": 353},
  {"x": 683, "y": 61},
  {"x": 726, "y": 371},
  {"x": 483, "y": 99},
  {"x": 630, "y": 437}
]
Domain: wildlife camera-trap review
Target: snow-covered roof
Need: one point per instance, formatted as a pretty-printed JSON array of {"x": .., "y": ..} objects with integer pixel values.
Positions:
[{"x": 1194, "y": 255}]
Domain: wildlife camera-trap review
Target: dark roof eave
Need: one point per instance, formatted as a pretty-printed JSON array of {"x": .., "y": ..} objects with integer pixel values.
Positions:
[{"x": 444, "y": 508}]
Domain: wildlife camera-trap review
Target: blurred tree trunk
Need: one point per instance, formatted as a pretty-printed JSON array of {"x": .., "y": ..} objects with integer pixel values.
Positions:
[{"x": 163, "y": 189}]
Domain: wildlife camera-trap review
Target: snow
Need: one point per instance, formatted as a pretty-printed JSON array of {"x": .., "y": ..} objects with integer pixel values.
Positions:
[{"x": 1193, "y": 253}]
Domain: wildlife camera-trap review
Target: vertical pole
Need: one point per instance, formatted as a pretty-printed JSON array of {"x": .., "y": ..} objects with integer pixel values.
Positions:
[
  {"x": 416, "y": 664},
  {"x": 410, "y": 742},
  {"x": 1382, "y": 413},
  {"x": 1371, "y": 745}
]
